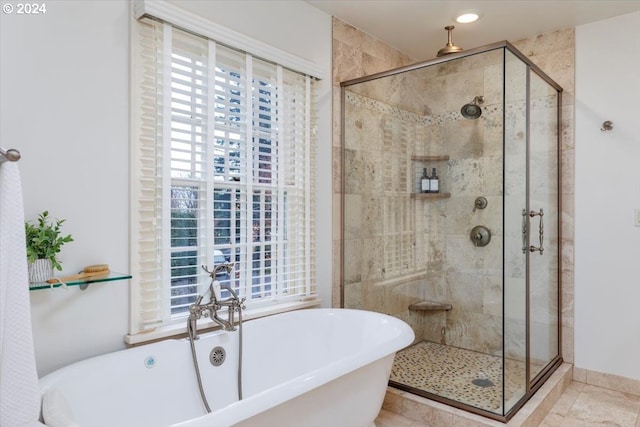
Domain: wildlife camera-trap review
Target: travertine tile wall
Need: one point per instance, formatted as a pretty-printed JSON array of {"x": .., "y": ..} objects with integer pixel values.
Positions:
[{"x": 356, "y": 54}]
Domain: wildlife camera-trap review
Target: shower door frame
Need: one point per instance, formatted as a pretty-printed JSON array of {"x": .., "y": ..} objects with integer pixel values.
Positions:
[{"x": 531, "y": 384}]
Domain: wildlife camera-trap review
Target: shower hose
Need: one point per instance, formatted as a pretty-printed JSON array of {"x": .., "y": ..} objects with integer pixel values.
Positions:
[{"x": 192, "y": 334}]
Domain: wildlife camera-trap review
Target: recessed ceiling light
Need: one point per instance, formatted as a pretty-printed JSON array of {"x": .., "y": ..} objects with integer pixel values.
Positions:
[{"x": 468, "y": 16}]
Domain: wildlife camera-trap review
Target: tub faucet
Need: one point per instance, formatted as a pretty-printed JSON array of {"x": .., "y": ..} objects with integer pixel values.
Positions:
[{"x": 210, "y": 309}]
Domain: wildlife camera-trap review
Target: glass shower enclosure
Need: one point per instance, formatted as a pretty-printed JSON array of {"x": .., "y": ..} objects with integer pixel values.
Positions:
[{"x": 473, "y": 266}]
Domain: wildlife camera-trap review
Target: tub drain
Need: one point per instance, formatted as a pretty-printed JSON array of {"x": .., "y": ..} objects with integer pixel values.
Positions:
[
  {"x": 483, "y": 382},
  {"x": 217, "y": 356}
]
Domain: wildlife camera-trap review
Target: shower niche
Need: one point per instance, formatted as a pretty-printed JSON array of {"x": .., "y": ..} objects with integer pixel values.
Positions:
[
  {"x": 430, "y": 160},
  {"x": 486, "y": 316}
]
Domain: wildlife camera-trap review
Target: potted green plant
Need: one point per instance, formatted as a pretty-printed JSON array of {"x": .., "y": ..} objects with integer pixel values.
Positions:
[{"x": 44, "y": 241}]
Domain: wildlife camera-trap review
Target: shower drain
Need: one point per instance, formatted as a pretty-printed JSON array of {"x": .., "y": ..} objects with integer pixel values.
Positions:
[
  {"x": 217, "y": 356},
  {"x": 483, "y": 382}
]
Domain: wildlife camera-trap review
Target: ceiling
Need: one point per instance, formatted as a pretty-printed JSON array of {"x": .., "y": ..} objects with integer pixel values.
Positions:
[{"x": 416, "y": 27}]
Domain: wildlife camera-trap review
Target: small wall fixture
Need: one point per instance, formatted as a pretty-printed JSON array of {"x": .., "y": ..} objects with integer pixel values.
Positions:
[
  {"x": 607, "y": 126},
  {"x": 480, "y": 203}
]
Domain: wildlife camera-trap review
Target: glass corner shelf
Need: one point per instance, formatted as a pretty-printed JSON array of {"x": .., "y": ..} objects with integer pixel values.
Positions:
[{"x": 111, "y": 276}]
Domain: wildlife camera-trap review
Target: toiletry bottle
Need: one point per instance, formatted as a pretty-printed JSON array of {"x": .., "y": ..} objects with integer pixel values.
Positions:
[
  {"x": 434, "y": 182},
  {"x": 424, "y": 182}
]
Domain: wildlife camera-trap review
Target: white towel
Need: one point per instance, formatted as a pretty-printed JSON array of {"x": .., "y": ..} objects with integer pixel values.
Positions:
[
  {"x": 55, "y": 410},
  {"x": 19, "y": 391}
]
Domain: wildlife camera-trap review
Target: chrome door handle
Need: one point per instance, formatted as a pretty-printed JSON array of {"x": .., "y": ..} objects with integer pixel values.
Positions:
[{"x": 540, "y": 248}]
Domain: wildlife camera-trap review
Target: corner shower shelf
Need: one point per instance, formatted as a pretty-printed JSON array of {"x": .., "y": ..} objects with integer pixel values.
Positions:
[
  {"x": 430, "y": 158},
  {"x": 432, "y": 196},
  {"x": 430, "y": 306},
  {"x": 112, "y": 276}
]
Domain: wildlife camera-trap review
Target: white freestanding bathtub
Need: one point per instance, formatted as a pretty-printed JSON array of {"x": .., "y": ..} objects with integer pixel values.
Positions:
[{"x": 315, "y": 367}]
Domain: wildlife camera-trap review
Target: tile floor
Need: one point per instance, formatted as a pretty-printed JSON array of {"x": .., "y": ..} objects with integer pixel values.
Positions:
[
  {"x": 581, "y": 405},
  {"x": 584, "y": 405}
]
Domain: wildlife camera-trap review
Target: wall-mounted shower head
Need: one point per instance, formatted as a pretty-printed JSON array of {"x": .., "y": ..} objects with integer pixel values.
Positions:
[
  {"x": 472, "y": 110},
  {"x": 450, "y": 47}
]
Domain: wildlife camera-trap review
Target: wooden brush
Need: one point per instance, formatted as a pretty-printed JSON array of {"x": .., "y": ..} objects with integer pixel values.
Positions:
[{"x": 87, "y": 272}]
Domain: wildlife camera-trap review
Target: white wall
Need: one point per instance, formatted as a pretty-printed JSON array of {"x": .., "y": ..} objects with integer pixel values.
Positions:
[
  {"x": 607, "y": 174},
  {"x": 64, "y": 100},
  {"x": 64, "y": 97}
]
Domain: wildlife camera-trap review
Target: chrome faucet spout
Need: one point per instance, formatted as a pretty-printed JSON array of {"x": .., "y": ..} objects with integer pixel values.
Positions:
[{"x": 225, "y": 325}]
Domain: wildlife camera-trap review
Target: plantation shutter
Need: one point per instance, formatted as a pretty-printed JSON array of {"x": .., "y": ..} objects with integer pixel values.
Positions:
[
  {"x": 222, "y": 170},
  {"x": 146, "y": 180}
]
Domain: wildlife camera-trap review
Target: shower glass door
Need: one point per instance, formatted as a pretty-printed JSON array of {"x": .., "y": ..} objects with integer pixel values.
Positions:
[
  {"x": 543, "y": 225},
  {"x": 531, "y": 176},
  {"x": 515, "y": 259}
]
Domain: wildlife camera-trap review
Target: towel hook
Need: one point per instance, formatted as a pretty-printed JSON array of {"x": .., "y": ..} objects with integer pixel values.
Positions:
[
  {"x": 11, "y": 155},
  {"x": 607, "y": 126}
]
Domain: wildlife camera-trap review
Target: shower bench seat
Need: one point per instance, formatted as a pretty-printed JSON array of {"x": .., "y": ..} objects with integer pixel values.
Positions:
[{"x": 430, "y": 306}]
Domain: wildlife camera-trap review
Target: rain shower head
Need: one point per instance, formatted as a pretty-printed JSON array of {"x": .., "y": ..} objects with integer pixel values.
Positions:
[
  {"x": 472, "y": 110},
  {"x": 450, "y": 47}
]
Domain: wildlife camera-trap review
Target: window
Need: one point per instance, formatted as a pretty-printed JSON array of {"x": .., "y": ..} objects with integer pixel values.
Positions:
[{"x": 222, "y": 171}]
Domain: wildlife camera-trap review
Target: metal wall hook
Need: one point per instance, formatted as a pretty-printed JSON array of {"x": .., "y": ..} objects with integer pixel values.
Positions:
[
  {"x": 11, "y": 155},
  {"x": 607, "y": 126}
]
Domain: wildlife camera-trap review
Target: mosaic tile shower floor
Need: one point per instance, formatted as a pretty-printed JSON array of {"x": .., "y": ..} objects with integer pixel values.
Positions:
[{"x": 462, "y": 375}]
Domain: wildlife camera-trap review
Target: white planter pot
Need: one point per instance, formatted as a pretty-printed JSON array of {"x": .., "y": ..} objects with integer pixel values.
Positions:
[{"x": 40, "y": 270}]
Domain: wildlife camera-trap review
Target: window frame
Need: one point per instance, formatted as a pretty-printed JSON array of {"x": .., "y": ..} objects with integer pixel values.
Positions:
[{"x": 136, "y": 330}]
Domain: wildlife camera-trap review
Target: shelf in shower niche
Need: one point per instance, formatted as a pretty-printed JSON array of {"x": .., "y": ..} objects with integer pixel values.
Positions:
[
  {"x": 432, "y": 196},
  {"x": 430, "y": 306},
  {"x": 430, "y": 158},
  {"x": 109, "y": 277}
]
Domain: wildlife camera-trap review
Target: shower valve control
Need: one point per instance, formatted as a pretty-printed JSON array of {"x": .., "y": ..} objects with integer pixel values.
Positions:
[
  {"x": 480, "y": 203},
  {"x": 480, "y": 235}
]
